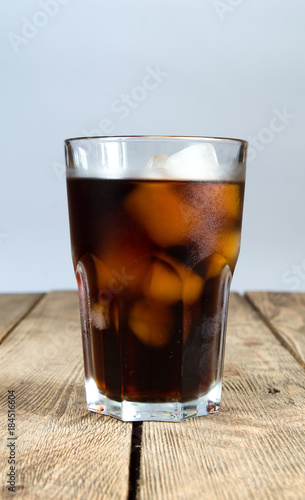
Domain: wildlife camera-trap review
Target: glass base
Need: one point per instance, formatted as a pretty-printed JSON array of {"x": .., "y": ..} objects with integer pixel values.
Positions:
[{"x": 171, "y": 411}]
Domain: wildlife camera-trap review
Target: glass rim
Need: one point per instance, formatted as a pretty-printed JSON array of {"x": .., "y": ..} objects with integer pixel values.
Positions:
[{"x": 133, "y": 138}]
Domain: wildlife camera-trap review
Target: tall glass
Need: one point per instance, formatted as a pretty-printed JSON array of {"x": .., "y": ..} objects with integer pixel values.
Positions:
[{"x": 155, "y": 232}]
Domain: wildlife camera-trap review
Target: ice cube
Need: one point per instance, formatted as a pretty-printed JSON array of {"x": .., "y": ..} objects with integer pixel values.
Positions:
[
  {"x": 192, "y": 288},
  {"x": 156, "y": 279},
  {"x": 155, "y": 166},
  {"x": 192, "y": 284},
  {"x": 197, "y": 162},
  {"x": 105, "y": 315},
  {"x": 214, "y": 264},
  {"x": 151, "y": 321},
  {"x": 166, "y": 216},
  {"x": 163, "y": 283},
  {"x": 227, "y": 244},
  {"x": 100, "y": 315}
]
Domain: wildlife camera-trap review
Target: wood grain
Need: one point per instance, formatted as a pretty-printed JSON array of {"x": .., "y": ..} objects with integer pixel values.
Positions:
[
  {"x": 13, "y": 307},
  {"x": 63, "y": 451},
  {"x": 255, "y": 447},
  {"x": 284, "y": 313}
]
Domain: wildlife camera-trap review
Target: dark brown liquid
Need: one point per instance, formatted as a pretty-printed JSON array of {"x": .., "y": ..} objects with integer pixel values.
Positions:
[{"x": 152, "y": 259}]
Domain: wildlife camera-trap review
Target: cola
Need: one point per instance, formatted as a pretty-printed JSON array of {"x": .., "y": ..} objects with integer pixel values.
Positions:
[{"x": 154, "y": 261}]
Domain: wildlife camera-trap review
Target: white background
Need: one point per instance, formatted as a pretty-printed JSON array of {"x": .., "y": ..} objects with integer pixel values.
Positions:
[{"x": 229, "y": 69}]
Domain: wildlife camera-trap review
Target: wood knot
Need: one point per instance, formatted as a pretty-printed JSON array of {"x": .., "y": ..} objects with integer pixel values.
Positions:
[{"x": 273, "y": 390}]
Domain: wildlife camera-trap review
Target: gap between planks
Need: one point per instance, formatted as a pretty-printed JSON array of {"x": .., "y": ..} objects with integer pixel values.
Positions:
[{"x": 135, "y": 460}]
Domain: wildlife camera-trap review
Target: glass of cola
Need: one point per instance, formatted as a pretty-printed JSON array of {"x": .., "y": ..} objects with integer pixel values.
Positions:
[{"x": 155, "y": 226}]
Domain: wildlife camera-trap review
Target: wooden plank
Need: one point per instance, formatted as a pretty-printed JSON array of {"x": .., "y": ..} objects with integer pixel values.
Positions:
[
  {"x": 284, "y": 313},
  {"x": 255, "y": 447},
  {"x": 62, "y": 450},
  {"x": 13, "y": 307}
]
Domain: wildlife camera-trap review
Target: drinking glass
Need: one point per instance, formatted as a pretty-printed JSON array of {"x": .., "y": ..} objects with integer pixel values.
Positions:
[{"x": 155, "y": 226}]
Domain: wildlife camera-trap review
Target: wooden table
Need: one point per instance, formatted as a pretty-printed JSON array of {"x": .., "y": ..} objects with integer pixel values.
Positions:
[{"x": 254, "y": 448}]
